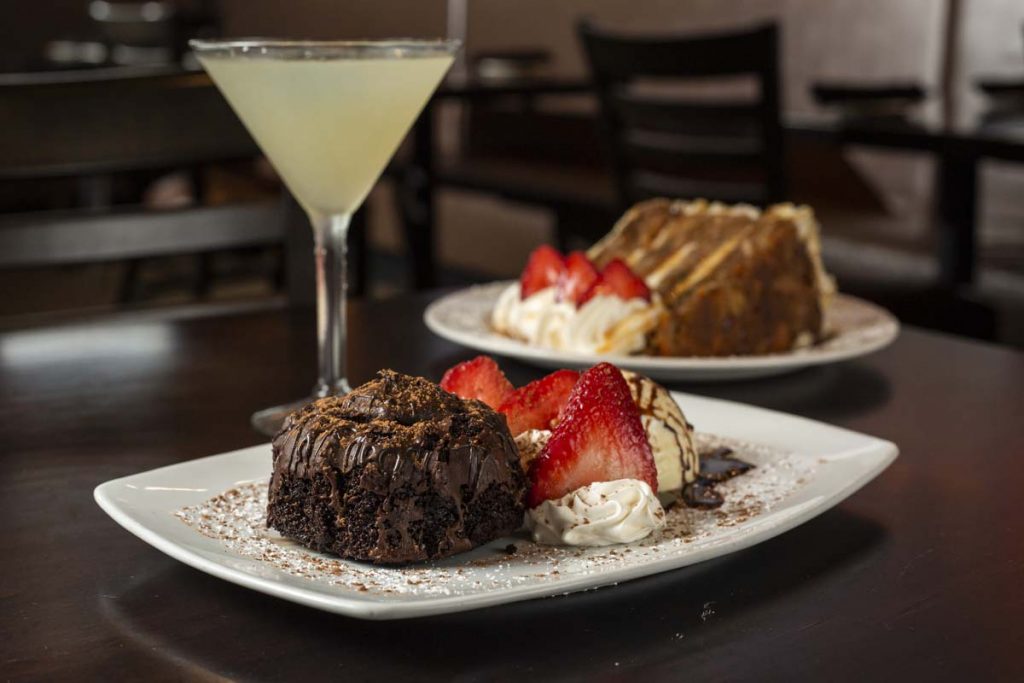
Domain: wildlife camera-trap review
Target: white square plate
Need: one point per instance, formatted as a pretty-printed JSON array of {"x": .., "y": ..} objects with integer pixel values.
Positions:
[{"x": 803, "y": 468}]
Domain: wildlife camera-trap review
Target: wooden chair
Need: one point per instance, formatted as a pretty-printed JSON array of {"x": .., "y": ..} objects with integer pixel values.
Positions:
[
  {"x": 100, "y": 121},
  {"x": 99, "y": 124},
  {"x": 91, "y": 125},
  {"x": 663, "y": 141}
]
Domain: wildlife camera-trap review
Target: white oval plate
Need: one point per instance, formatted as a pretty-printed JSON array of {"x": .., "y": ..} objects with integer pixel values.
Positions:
[
  {"x": 803, "y": 468},
  {"x": 859, "y": 328}
]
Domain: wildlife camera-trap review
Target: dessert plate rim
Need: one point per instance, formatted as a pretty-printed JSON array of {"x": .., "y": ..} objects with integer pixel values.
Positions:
[
  {"x": 145, "y": 503},
  {"x": 864, "y": 328}
]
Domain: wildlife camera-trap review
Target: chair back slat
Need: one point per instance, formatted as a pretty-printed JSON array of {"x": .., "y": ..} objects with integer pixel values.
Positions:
[
  {"x": 110, "y": 120},
  {"x": 620, "y": 57},
  {"x": 668, "y": 115},
  {"x": 653, "y": 184},
  {"x": 644, "y": 149},
  {"x": 90, "y": 124},
  {"x": 57, "y": 238}
]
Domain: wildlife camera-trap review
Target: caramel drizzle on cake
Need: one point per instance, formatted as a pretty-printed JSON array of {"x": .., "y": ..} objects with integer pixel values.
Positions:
[{"x": 734, "y": 279}]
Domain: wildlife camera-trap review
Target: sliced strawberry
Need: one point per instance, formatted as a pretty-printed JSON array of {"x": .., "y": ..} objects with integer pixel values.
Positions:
[
  {"x": 537, "y": 405},
  {"x": 580, "y": 274},
  {"x": 624, "y": 282},
  {"x": 600, "y": 287},
  {"x": 600, "y": 438},
  {"x": 618, "y": 280},
  {"x": 544, "y": 267},
  {"x": 479, "y": 378}
]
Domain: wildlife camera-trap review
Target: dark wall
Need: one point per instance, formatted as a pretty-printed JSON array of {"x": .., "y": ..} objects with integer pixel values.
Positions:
[{"x": 27, "y": 25}]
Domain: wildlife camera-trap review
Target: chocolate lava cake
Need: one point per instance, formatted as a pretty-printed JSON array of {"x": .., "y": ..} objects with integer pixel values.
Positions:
[{"x": 397, "y": 471}]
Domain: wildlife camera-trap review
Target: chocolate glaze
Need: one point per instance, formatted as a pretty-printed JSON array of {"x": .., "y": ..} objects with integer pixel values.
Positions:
[
  {"x": 701, "y": 494},
  {"x": 715, "y": 467},
  {"x": 396, "y": 471}
]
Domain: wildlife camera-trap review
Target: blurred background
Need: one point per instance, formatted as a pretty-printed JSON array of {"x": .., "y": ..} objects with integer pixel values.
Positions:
[{"x": 126, "y": 183}]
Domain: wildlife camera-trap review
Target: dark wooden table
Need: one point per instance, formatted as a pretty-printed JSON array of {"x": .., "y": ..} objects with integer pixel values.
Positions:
[
  {"x": 958, "y": 152},
  {"x": 916, "y": 577}
]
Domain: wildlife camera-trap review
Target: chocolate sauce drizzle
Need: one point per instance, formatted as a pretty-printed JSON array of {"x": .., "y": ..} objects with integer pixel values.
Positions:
[{"x": 715, "y": 468}]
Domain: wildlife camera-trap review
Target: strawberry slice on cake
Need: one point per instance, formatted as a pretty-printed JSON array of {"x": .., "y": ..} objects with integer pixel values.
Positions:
[
  {"x": 544, "y": 268},
  {"x": 538, "y": 404},
  {"x": 587, "y": 442},
  {"x": 579, "y": 276},
  {"x": 616, "y": 279},
  {"x": 479, "y": 378},
  {"x": 567, "y": 303},
  {"x": 599, "y": 438}
]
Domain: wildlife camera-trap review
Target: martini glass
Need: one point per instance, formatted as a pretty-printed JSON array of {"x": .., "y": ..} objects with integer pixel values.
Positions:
[{"x": 329, "y": 115}]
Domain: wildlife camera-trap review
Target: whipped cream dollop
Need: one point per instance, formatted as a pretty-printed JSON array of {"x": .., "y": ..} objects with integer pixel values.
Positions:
[
  {"x": 604, "y": 324},
  {"x": 602, "y": 513}
]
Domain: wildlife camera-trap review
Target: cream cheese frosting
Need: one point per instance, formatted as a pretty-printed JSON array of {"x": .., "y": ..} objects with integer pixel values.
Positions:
[
  {"x": 604, "y": 324},
  {"x": 602, "y": 513}
]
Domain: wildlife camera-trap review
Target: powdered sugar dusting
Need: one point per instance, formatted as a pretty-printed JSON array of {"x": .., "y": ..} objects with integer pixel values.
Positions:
[{"x": 237, "y": 518}]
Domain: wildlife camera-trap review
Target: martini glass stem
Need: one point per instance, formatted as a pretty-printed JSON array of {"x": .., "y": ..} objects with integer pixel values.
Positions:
[{"x": 330, "y": 246}]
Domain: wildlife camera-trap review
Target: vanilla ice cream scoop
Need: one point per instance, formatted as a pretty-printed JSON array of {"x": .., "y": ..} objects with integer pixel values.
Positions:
[{"x": 668, "y": 432}]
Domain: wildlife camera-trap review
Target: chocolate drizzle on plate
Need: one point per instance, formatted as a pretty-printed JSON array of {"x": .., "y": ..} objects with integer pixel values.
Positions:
[{"x": 715, "y": 468}]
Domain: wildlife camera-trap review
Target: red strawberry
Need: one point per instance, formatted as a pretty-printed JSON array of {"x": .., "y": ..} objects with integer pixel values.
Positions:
[
  {"x": 618, "y": 280},
  {"x": 537, "y": 405},
  {"x": 544, "y": 267},
  {"x": 600, "y": 438},
  {"x": 479, "y": 378},
  {"x": 580, "y": 274}
]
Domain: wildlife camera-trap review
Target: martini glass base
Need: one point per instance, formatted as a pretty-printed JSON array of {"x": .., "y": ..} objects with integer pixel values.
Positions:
[{"x": 269, "y": 420}]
